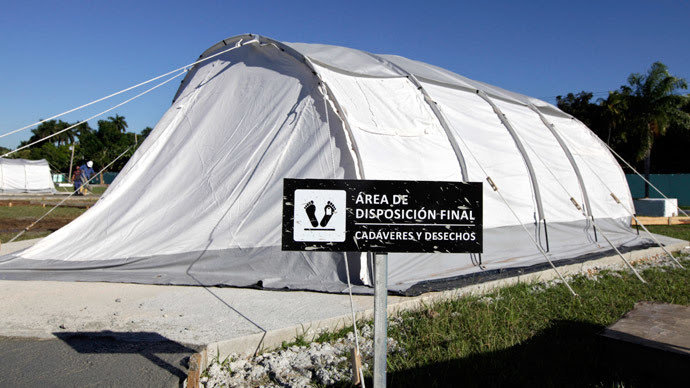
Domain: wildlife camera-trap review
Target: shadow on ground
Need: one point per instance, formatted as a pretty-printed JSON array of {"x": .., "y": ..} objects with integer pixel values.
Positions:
[
  {"x": 147, "y": 344},
  {"x": 568, "y": 354},
  {"x": 94, "y": 359}
]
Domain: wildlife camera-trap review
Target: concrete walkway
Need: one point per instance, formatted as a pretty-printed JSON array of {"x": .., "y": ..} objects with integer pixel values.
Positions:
[{"x": 221, "y": 320}]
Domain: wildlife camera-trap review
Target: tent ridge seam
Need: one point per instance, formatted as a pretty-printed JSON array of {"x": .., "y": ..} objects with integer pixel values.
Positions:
[{"x": 432, "y": 105}]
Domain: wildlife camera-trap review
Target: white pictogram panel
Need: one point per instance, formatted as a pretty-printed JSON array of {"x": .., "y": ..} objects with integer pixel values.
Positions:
[{"x": 319, "y": 215}]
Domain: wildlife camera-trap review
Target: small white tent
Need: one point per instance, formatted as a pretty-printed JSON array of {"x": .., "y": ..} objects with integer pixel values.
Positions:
[
  {"x": 25, "y": 176},
  {"x": 200, "y": 201}
]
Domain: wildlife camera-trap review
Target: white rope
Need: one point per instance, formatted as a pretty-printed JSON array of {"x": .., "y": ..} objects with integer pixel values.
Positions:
[
  {"x": 324, "y": 92},
  {"x": 123, "y": 90},
  {"x": 94, "y": 116},
  {"x": 629, "y": 212},
  {"x": 583, "y": 212},
  {"x": 495, "y": 188},
  {"x": 643, "y": 178},
  {"x": 354, "y": 319},
  {"x": 68, "y": 197},
  {"x": 541, "y": 250}
]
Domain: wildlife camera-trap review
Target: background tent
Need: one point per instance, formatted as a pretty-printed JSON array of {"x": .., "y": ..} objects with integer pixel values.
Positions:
[
  {"x": 200, "y": 201},
  {"x": 25, "y": 176}
]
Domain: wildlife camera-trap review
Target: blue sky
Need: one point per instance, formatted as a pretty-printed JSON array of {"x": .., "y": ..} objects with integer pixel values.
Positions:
[{"x": 59, "y": 55}]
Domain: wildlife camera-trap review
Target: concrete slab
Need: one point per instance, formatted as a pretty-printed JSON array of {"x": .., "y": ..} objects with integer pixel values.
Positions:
[
  {"x": 223, "y": 320},
  {"x": 657, "y": 325},
  {"x": 17, "y": 246}
]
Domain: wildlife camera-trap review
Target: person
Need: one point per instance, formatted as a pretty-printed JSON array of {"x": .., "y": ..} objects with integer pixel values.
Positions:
[
  {"x": 76, "y": 178},
  {"x": 86, "y": 173}
]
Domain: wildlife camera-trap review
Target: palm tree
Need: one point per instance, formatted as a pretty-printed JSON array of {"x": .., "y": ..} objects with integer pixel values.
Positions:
[
  {"x": 614, "y": 113},
  {"x": 64, "y": 137},
  {"x": 119, "y": 122},
  {"x": 652, "y": 105}
]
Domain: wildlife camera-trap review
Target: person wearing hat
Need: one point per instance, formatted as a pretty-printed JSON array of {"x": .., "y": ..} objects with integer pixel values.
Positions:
[{"x": 86, "y": 173}]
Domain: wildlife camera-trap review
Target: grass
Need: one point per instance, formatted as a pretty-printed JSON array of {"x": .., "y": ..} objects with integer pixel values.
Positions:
[
  {"x": 677, "y": 231},
  {"x": 33, "y": 212},
  {"x": 533, "y": 335},
  {"x": 526, "y": 335},
  {"x": 15, "y": 218},
  {"x": 7, "y": 236},
  {"x": 98, "y": 190}
]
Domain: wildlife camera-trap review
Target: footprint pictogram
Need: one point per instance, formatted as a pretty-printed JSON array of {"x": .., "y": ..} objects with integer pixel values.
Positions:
[
  {"x": 311, "y": 213},
  {"x": 328, "y": 213}
]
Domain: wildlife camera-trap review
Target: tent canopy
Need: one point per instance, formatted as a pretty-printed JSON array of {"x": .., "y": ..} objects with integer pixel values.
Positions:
[
  {"x": 200, "y": 201},
  {"x": 25, "y": 176}
]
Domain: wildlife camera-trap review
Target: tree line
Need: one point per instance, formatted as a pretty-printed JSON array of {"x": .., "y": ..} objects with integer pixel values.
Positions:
[
  {"x": 101, "y": 145},
  {"x": 648, "y": 113}
]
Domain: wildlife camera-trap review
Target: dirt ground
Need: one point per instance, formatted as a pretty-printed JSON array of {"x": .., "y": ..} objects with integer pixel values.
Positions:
[{"x": 15, "y": 225}]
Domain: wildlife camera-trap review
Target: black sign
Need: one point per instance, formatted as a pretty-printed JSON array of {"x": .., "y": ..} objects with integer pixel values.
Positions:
[{"x": 382, "y": 216}]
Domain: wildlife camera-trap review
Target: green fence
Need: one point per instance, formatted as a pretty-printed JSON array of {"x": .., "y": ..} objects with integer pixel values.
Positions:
[
  {"x": 108, "y": 178},
  {"x": 672, "y": 185}
]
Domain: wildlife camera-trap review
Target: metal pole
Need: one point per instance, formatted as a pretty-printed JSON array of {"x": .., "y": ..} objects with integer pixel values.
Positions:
[
  {"x": 380, "y": 318},
  {"x": 69, "y": 177}
]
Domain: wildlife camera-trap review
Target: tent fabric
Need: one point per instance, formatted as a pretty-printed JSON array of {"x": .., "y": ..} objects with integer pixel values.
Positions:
[
  {"x": 200, "y": 201},
  {"x": 25, "y": 176}
]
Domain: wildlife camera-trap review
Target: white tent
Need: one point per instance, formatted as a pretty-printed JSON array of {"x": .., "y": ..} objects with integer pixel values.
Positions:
[
  {"x": 25, "y": 176},
  {"x": 200, "y": 201}
]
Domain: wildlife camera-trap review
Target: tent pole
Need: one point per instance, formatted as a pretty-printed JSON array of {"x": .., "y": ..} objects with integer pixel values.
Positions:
[
  {"x": 521, "y": 149},
  {"x": 435, "y": 109},
  {"x": 618, "y": 201},
  {"x": 647, "y": 230},
  {"x": 552, "y": 128},
  {"x": 541, "y": 250},
  {"x": 573, "y": 200},
  {"x": 622, "y": 257}
]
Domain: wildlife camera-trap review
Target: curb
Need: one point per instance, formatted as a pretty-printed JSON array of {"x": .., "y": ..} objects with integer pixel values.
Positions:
[{"x": 255, "y": 343}]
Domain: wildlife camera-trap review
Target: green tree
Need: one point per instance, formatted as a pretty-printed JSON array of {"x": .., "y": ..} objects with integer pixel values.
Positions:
[
  {"x": 637, "y": 116},
  {"x": 579, "y": 105},
  {"x": 652, "y": 105},
  {"x": 145, "y": 133},
  {"x": 119, "y": 122},
  {"x": 591, "y": 114},
  {"x": 105, "y": 144}
]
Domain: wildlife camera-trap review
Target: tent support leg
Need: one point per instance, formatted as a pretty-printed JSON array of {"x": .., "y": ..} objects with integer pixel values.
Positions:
[
  {"x": 623, "y": 257},
  {"x": 546, "y": 235}
]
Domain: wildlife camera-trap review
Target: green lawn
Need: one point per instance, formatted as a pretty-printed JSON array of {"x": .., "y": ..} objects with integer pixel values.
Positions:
[
  {"x": 14, "y": 219},
  {"x": 26, "y": 211},
  {"x": 527, "y": 335},
  {"x": 537, "y": 335},
  {"x": 96, "y": 190},
  {"x": 677, "y": 231}
]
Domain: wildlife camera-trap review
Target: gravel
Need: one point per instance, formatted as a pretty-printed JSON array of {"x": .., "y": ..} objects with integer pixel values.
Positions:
[{"x": 317, "y": 364}]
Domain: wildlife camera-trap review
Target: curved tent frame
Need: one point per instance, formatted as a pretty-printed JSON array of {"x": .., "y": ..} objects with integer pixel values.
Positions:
[{"x": 436, "y": 108}]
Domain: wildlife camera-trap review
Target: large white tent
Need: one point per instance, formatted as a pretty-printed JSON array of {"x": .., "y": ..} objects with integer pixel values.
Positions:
[
  {"x": 200, "y": 201},
  {"x": 25, "y": 176}
]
